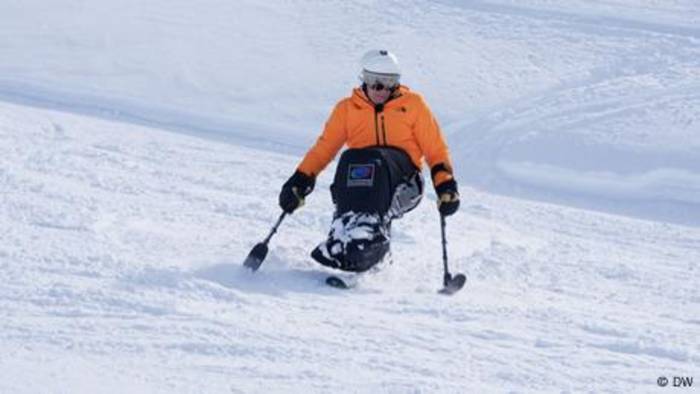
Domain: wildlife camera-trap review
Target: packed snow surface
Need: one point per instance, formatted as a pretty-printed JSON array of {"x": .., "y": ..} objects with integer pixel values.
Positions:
[
  {"x": 120, "y": 265},
  {"x": 143, "y": 144}
]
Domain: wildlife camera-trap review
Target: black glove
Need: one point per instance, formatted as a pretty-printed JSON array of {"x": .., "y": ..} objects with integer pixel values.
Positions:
[
  {"x": 294, "y": 190},
  {"x": 448, "y": 197}
]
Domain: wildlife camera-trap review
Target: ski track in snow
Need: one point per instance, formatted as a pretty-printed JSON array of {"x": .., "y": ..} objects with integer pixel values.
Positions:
[{"x": 120, "y": 263}]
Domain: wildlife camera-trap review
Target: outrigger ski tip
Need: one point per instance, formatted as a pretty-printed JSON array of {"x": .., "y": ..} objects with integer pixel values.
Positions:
[
  {"x": 256, "y": 257},
  {"x": 453, "y": 284},
  {"x": 259, "y": 252}
]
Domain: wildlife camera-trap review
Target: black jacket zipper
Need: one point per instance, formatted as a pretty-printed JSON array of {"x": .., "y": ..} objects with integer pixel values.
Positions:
[
  {"x": 384, "y": 131},
  {"x": 376, "y": 126}
]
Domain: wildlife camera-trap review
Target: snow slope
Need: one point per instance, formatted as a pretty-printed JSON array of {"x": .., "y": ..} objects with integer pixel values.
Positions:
[
  {"x": 121, "y": 272},
  {"x": 591, "y": 103},
  {"x": 121, "y": 241}
]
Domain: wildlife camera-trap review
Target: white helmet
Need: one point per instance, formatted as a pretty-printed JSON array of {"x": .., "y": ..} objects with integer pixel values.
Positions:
[{"x": 379, "y": 63}]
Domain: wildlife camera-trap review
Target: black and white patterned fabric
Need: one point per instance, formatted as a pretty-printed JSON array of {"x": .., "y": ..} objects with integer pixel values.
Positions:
[{"x": 356, "y": 242}]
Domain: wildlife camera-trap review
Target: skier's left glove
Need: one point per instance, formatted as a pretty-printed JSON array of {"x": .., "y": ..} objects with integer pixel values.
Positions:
[
  {"x": 448, "y": 197},
  {"x": 297, "y": 187}
]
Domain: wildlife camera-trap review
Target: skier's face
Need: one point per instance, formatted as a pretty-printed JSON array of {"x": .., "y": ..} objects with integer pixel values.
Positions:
[
  {"x": 379, "y": 86},
  {"x": 378, "y": 96}
]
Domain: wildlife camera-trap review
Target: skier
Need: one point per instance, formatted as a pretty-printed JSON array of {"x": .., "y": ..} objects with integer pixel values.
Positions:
[{"x": 388, "y": 130}]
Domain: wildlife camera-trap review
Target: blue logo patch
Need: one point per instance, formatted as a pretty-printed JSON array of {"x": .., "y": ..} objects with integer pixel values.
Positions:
[{"x": 360, "y": 175}]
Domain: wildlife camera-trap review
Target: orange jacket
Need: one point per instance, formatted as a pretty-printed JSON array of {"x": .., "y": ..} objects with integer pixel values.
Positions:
[{"x": 406, "y": 122}]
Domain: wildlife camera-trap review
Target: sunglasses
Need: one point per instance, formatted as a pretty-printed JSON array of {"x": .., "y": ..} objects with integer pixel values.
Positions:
[
  {"x": 378, "y": 86},
  {"x": 380, "y": 82}
]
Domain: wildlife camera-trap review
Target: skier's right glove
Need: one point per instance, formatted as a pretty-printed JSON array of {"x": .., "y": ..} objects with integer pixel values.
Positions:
[
  {"x": 448, "y": 197},
  {"x": 295, "y": 190}
]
